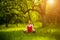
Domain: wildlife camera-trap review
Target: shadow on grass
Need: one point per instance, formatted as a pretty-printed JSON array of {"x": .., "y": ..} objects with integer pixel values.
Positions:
[
  {"x": 56, "y": 35},
  {"x": 10, "y": 35}
]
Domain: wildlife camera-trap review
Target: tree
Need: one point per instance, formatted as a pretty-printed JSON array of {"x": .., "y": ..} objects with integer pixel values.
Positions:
[
  {"x": 41, "y": 8},
  {"x": 18, "y": 8},
  {"x": 12, "y": 10}
]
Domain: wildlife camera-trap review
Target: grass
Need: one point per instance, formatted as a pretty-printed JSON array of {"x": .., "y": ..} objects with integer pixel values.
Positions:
[{"x": 18, "y": 34}]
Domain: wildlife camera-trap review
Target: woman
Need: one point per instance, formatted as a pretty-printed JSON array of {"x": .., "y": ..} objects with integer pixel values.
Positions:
[{"x": 29, "y": 27}]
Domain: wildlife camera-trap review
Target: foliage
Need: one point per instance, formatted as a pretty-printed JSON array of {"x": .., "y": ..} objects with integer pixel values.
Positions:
[
  {"x": 11, "y": 8},
  {"x": 16, "y": 11}
]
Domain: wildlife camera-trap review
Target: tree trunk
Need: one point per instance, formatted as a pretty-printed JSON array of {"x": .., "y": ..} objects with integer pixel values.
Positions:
[{"x": 43, "y": 10}]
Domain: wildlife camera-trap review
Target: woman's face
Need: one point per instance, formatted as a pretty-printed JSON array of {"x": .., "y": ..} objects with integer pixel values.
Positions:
[{"x": 29, "y": 22}]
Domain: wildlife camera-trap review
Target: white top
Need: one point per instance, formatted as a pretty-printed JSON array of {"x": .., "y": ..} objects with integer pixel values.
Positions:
[{"x": 30, "y": 25}]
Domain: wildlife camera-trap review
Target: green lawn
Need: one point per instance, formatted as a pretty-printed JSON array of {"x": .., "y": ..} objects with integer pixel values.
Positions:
[{"x": 41, "y": 34}]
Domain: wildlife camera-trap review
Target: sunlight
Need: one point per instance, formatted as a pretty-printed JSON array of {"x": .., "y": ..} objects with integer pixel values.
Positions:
[{"x": 50, "y": 1}]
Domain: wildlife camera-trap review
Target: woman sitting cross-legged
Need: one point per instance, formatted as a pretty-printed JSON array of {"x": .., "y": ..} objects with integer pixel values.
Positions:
[{"x": 30, "y": 28}]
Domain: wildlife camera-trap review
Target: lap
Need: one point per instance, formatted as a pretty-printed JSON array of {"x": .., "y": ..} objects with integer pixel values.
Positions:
[{"x": 27, "y": 31}]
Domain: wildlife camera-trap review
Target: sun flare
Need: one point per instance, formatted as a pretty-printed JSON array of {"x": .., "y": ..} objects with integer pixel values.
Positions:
[{"x": 50, "y": 1}]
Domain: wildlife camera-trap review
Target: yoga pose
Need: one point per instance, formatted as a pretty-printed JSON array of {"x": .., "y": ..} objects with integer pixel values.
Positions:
[{"x": 29, "y": 27}]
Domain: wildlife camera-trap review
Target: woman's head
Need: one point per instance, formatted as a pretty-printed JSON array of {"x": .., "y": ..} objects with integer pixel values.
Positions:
[{"x": 29, "y": 22}]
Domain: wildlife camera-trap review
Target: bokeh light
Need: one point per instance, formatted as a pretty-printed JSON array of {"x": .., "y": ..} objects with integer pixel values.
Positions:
[{"x": 50, "y": 2}]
